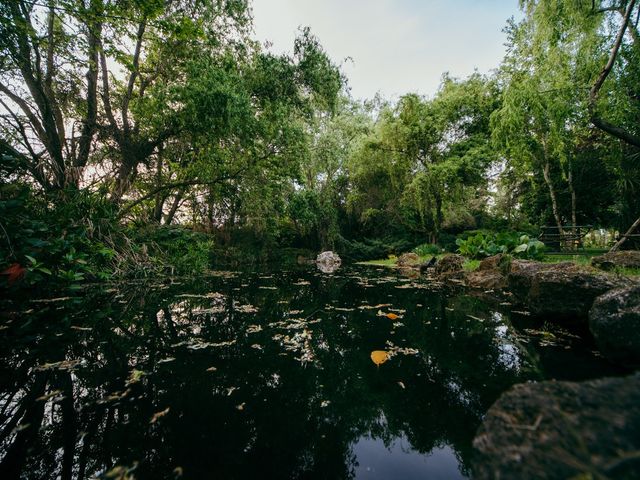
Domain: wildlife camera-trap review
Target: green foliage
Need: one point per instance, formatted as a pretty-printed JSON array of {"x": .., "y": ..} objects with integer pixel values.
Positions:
[
  {"x": 369, "y": 249},
  {"x": 486, "y": 244},
  {"x": 176, "y": 249},
  {"x": 62, "y": 237},
  {"x": 427, "y": 249}
]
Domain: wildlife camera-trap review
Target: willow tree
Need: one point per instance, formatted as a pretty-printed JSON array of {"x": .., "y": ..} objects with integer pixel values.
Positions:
[
  {"x": 542, "y": 113},
  {"x": 427, "y": 158},
  {"x": 601, "y": 42},
  {"x": 569, "y": 68}
]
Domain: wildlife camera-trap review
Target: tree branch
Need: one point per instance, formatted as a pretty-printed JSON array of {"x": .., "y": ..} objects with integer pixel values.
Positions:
[
  {"x": 134, "y": 73},
  {"x": 599, "y": 122},
  {"x": 171, "y": 186}
]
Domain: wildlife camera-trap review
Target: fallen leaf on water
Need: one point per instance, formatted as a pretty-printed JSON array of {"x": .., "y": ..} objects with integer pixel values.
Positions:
[
  {"x": 63, "y": 365},
  {"x": 402, "y": 385},
  {"x": 135, "y": 377},
  {"x": 46, "y": 397},
  {"x": 254, "y": 329},
  {"x": 212, "y": 369},
  {"x": 160, "y": 414},
  {"x": 379, "y": 357},
  {"x": 178, "y": 472},
  {"x": 241, "y": 406},
  {"x": 120, "y": 472}
]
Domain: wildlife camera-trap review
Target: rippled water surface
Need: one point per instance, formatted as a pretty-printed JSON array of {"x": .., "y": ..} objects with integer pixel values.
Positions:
[{"x": 254, "y": 375}]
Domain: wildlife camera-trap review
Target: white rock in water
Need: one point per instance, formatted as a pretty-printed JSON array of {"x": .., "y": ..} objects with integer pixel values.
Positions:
[{"x": 328, "y": 262}]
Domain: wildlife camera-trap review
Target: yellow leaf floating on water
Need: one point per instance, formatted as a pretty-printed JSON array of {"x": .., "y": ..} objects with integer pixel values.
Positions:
[
  {"x": 392, "y": 316},
  {"x": 158, "y": 415},
  {"x": 379, "y": 357}
]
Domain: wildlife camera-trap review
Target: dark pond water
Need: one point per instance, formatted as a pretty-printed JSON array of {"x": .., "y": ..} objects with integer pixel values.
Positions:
[{"x": 247, "y": 375}]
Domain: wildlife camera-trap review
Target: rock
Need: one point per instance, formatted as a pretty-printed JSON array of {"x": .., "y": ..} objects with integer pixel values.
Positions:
[
  {"x": 450, "y": 264},
  {"x": 486, "y": 280},
  {"x": 408, "y": 260},
  {"x": 491, "y": 273},
  {"x": 558, "y": 290},
  {"x": 562, "y": 430},
  {"x": 426, "y": 266},
  {"x": 328, "y": 262},
  {"x": 496, "y": 262},
  {"x": 622, "y": 258},
  {"x": 614, "y": 321}
]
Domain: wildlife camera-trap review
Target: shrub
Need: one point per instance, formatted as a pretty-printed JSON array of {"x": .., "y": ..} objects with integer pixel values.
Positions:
[
  {"x": 427, "y": 249},
  {"x": 483, "y": 244}
]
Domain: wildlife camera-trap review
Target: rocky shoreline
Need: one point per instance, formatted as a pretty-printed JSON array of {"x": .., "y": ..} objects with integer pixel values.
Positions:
[{"x": 551, "y": 429}]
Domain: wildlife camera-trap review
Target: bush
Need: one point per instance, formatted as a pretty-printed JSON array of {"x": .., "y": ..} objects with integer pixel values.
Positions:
[
  {"x": 486, "y": 244},
  {"x": 176, "y": 249},
  {"x": 427, "y": 249},
  {"x": 61, "y": 237}
]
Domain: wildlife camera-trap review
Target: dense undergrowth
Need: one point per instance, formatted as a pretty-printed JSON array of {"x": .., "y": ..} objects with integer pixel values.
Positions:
[{"x": 74, "y": 237}]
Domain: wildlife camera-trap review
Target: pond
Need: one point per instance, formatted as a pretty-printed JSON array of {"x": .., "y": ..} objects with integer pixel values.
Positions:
[{"x": 247, "y": 375}]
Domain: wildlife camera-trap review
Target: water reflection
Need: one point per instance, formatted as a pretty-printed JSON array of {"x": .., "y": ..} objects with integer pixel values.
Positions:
[
  {"x": 376, "y": 460},
  {"x": 246, "y": 375}
]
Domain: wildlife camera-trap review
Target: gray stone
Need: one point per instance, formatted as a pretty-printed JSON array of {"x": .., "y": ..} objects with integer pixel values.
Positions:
[
  {"x": 558, "y": 291},
  {"x": 622, "y": 258},
  {"x": 614, "y": 321},
  {"x": 562, "y": 430},
  {"x": 450, "y": 264},
  {"x": 409, "y": 259},
  {"x": 328, "y": 262}
]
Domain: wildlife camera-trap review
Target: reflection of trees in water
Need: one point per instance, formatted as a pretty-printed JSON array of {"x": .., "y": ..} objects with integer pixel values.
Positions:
[{"x": 260, "y": 411}]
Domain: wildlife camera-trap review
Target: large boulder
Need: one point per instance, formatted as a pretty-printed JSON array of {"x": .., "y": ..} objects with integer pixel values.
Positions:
[
  {"x": 558, "y": 290},
  {"x": 409, "y": 259},
  {"x": 622, "y": 258},
  {"x": 486, "y": 280},
  {"x": 491, "y": 273},
  {"x": 501, "y": 262},
  {"x": 328, "y": 262},
  {"x": 562, "y": 430},
  {"x": 450, "y": 264},
  {"x": 614, "y": 320}
]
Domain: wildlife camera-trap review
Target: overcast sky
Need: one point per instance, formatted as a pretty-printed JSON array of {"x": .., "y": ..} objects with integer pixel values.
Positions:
[{"x": 395, "y": 46}]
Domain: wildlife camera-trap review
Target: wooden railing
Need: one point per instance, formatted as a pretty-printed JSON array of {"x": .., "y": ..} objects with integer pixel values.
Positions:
[{"x": 569, "y": 237}]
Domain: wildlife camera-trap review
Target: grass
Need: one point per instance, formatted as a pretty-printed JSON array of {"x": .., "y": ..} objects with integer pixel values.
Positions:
[
  {"x": 469, "y": 265},
  {"x": 391, "y": 261}
]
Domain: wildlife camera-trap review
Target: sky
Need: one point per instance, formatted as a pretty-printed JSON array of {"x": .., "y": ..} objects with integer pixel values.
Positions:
[{"x": 393, "y": 46}]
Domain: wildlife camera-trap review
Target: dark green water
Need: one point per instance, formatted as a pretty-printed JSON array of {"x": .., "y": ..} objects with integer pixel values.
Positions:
[{"x": 263, "y": 376}]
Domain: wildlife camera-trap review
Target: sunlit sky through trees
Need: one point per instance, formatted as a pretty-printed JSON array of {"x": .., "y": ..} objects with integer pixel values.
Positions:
[{"x": 394, "y": 46}]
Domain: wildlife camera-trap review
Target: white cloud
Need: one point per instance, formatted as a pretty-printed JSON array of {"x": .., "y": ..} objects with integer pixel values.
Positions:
[{"x": 397, "y": 46}]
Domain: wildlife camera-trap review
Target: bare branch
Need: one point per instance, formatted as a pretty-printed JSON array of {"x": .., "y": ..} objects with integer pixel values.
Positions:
[{"x": 134, "y": 73}]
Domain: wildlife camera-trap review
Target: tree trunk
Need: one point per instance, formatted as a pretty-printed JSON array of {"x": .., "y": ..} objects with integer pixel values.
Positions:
[
  {"x": 160, "y": 196},
  {"x": 552, "y": 194},
  {"x": 439, "y": 216},
  {"x": 174, "y": 208},
  {"x": 572, "y": 191},
  {"x": 619, "y": 243}
]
